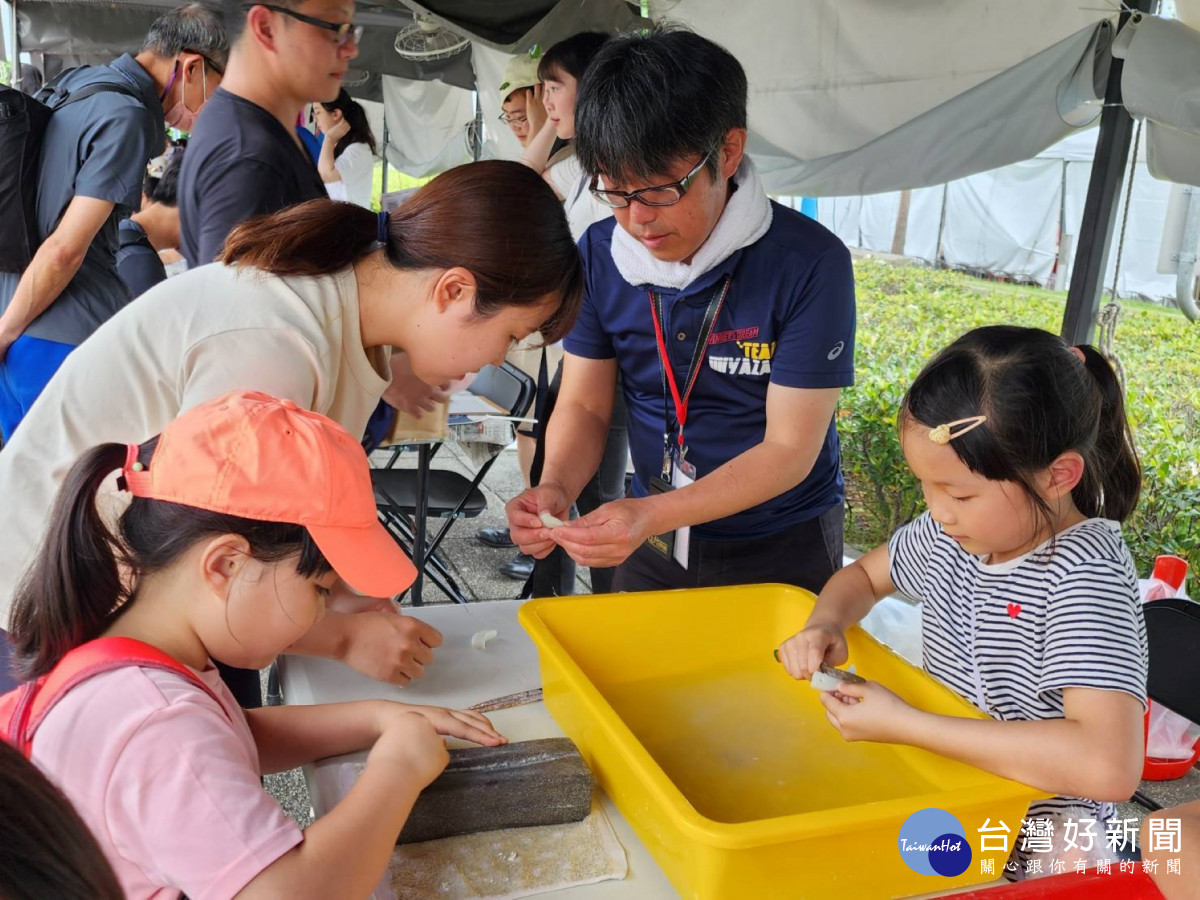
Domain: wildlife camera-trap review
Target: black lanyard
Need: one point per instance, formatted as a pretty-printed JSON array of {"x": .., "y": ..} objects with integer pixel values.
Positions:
[{"x": 669, "y": 386}]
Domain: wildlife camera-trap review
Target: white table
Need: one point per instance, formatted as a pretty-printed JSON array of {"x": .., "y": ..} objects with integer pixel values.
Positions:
[{"x": 459, "y": 677}]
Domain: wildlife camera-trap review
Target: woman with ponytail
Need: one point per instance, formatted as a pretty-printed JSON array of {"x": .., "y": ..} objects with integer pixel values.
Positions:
[
  {"x": 307, "y": 304},
  {"x": 217, "y": 557},
  {"x": 1031, "y": 607}
]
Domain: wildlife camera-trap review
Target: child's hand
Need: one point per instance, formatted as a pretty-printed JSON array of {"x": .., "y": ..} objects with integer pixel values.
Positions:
[
  {"x": 870, "y": 712},
  {"x": 803, "y": 653},
  {"x": 411, "y": 744},
  {"x": 459, "y": 723}
]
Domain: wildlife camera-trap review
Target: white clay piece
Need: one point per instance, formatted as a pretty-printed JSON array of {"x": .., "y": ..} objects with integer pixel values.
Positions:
[
  {"x": 549, "y": 521},
  {"x": 480, "y": 638},
  {"x": 827, "y": 678}
]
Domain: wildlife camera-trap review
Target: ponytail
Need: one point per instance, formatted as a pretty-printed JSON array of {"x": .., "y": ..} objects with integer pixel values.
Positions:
[
  {"x": 1040, "y": 402},
  {"x": 1112, "y": 478},
  {"x": 85, "y": 574},
  {"x": 497, "y": 219},
  {"x": 317, "y": 237},
  {"x": 69, "y": 594}
]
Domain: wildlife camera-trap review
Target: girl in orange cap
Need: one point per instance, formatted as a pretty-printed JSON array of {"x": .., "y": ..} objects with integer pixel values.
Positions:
[{"x": 218, "y": 557}]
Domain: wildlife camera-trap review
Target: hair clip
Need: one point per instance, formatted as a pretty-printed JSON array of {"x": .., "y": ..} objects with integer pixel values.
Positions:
[
  {"x": 381, "y": 227},
  {"x": 943, "y": 434}
]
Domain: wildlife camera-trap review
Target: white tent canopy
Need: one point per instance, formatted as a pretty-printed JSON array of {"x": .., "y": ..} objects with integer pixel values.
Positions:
[
  {"x": 1013, "y": 221},
  {"x": 847, "y": 96}
]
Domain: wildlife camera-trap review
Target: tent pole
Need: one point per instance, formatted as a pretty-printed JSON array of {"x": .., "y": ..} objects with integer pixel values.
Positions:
[
  {"x": 939, "y": 253},
  {"x": 477, "y": 136},
  {"x": 13, "y": 48},
  {"x": 384, "y": 184},
  {"x": 1100, "y": 207}
]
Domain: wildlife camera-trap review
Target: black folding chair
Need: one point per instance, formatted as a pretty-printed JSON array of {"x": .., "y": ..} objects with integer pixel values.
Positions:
[
  {"x": 1173, "y": 634},
  {"x": 407, "y": 497}
]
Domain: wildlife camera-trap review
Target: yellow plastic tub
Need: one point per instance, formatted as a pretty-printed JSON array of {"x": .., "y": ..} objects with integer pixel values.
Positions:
[{"x": 727, "y": 768}]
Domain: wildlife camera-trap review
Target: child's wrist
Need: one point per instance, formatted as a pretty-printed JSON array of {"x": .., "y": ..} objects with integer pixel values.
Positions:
[
  {"x": 382, "y": 713},
  {"x": 913, "y": 726}
]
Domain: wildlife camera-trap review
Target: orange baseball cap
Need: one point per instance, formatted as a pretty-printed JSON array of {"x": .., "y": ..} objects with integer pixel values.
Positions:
[{"x": 252, "y": 455}]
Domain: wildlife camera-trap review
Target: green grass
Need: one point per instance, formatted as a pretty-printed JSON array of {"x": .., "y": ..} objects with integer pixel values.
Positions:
[
  {"x": 906, "y": 314},
  {"x": 397, "y": 181}
]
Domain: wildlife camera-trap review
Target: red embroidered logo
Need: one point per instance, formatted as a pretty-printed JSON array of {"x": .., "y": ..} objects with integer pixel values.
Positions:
[
  {"x": 739, "y": 334},
  {"x": 1014, "y": 609}
]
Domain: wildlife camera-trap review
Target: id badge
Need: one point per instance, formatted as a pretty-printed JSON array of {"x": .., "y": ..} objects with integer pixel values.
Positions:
[
  {"x": 683, "y": 473},
  {"x": 662, "y": 544}
]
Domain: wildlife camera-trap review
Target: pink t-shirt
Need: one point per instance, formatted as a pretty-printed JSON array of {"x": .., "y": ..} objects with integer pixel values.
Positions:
[{"x": 168, "y": 783}]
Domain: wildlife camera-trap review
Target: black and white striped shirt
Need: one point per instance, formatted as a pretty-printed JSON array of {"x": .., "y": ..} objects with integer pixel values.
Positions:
[{"x": 1010, "y": 637}]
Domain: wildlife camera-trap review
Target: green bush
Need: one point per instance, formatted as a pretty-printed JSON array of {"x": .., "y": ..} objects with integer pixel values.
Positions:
[{"x": 907, "y": 314}]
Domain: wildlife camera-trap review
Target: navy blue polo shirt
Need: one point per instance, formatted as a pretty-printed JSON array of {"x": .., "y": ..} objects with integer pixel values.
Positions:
[
  {"x": 788, "y": 319},
  {"x": 240, "y": 162}
]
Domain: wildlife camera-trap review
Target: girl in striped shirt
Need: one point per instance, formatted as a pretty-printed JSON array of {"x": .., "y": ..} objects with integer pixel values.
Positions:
[{"x": 1030, "y": 599}]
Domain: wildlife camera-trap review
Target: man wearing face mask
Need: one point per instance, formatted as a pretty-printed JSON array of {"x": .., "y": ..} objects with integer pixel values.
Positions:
[{"x": 93, "y": 157}]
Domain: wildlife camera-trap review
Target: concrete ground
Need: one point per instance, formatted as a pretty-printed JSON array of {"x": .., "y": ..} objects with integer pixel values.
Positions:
[{"x": 475, "y": 567}]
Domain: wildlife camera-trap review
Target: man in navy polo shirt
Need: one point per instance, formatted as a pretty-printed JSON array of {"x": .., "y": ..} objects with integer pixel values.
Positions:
[{"x": 731, "y": 321}]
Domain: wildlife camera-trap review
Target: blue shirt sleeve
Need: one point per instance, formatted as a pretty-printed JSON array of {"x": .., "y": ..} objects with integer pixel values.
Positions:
[
  {"x": 815, "y": 347},
  {"x": 587, "y": 337},
  {"x": 115, "y": 149}
]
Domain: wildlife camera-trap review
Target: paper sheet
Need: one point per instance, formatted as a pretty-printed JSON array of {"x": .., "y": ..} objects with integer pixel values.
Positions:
[{"x": 511, "y": 863}]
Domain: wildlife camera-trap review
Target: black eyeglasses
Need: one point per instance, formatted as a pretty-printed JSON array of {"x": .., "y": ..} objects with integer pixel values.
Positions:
[
  {"x": 220, "y": 70},
  {"x": 512, "y": 120},
  {"x": 659, "y": 195},
  {"x": 344, "y": 31}
]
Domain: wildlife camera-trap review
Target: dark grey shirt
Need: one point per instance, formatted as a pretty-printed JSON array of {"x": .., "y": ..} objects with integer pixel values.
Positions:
[
  {"x": 96, "y": 148},
  {"x": 240, "y": 162}
]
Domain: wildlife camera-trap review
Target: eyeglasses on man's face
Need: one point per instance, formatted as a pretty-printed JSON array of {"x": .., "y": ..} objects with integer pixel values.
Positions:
[
  {"x": 220, "y": 70},
  {"x": 344, "y": 32},
  {"x": 658, "y": 195},
  {"x": 513, "y": 118}
]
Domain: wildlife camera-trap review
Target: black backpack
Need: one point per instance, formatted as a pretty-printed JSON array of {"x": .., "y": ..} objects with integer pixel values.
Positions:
[{"x": 23, "y": 121}]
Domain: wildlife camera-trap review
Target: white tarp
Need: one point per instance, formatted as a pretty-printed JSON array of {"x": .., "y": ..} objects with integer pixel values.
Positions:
[
  {"x": 861, "y": 96},
  {"x": 1008, "y": 221},
  {"x": 990, "y": 226},
  {"x": 1160, "y": 82},
  {"x": 828, "y": 76},
  {"x": 427, "y": 124}
]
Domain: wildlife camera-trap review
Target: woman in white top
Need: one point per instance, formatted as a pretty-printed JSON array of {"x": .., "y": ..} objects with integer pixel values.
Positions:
[
  {"x": 347, "y": 160},
  {"x": 307, "y": 304},
  {"x": 551, "y": 114}
]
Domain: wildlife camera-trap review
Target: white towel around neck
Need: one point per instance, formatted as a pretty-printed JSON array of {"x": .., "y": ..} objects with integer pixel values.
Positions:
[{"x": 745, "y": 219}]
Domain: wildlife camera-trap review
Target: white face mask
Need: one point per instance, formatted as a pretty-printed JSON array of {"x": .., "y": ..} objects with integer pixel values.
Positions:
[{"x": 179, "y": 116}]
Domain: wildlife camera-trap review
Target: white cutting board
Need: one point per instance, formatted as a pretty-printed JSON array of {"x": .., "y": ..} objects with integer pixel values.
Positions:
[{"x": 458, "y": 677}]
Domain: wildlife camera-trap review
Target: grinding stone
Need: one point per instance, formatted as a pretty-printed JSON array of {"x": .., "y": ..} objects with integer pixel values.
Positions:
[{"x": 543, "y": 782}]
